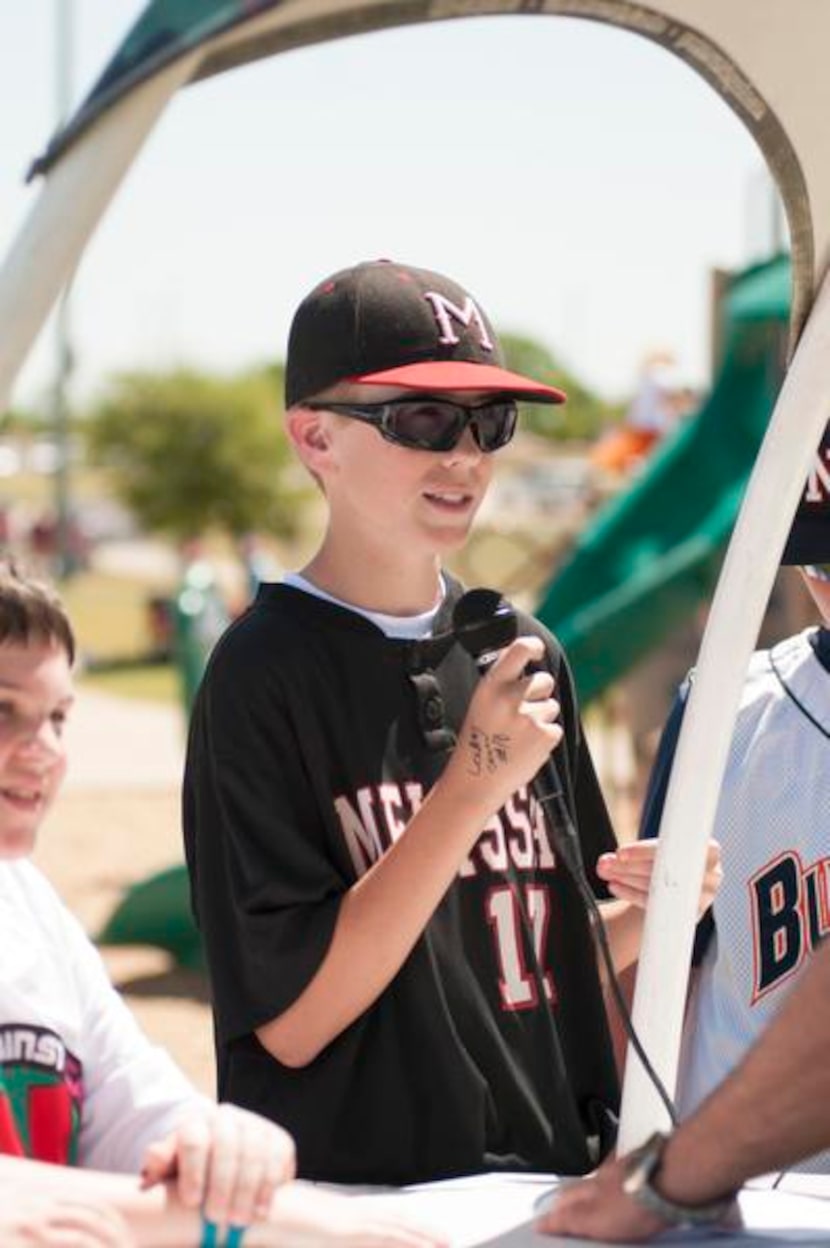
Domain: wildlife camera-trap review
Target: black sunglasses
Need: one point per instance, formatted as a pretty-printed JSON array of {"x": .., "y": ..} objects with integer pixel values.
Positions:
[{"x": 427, "y": 424}]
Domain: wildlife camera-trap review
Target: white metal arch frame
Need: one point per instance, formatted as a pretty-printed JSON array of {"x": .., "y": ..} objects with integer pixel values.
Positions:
[
  {"x": 767, "y": 59},
  {"x": 755, "y": 54}
]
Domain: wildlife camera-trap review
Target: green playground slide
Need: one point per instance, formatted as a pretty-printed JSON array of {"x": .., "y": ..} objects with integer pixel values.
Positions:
[
  {"x": 156, "y": 912},
  {"x": 653, "y": 553},
  {"x": 646, "y": 560}
]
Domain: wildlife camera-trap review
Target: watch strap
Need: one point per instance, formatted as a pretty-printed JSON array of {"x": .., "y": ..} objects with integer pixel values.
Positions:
[{"x": 644, "y": 1166}]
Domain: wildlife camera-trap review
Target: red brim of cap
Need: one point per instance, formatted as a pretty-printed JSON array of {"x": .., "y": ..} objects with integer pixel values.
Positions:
[{"x": 448, "y": 375}]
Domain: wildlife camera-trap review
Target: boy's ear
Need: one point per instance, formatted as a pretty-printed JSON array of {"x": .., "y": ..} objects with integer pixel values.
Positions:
[{"x": 310, "y": 435}]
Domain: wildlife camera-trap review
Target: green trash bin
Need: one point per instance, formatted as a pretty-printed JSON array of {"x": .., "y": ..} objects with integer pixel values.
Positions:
[
  {"x": 200, "y": 616},
  {"x": 156, "y": 911}
]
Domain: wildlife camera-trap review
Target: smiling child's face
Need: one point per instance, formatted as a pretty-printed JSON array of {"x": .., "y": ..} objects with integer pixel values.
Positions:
[{"x": 35, "y": 697}]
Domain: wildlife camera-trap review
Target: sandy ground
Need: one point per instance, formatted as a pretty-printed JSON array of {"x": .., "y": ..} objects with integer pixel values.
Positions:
[
  {"x": 95, "y": 845},
  {"x": 116, "y": 822}
]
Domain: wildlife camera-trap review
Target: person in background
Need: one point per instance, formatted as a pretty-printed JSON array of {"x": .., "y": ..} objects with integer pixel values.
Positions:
[
  {"x": 659, "y": 401},
  {"x": 259, "y": 565}
]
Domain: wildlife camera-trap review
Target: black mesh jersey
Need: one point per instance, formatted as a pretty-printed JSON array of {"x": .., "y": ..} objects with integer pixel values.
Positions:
[{"x": 313, "y": 739}]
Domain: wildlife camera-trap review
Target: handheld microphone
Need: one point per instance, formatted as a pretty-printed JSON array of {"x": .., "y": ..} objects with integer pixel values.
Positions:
[{"x": 484, "y": 624}]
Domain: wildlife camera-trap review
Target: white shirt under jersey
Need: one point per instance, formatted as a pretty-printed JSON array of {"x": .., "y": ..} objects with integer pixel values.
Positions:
[
  {"x": 774, "y": 903},
  {"x": 61, "y": 1021},
  {"x": 402, "y": 627}
]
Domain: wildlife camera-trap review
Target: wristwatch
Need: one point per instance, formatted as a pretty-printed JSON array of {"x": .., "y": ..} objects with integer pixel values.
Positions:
[{"x": 643, "y": 1167}]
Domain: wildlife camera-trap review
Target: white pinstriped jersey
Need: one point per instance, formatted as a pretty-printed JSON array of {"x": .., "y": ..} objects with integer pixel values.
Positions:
[{"x": 773, "y": 822}]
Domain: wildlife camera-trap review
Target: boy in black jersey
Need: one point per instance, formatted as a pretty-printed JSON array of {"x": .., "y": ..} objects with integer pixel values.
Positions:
[{"x": 403, "y": 972}]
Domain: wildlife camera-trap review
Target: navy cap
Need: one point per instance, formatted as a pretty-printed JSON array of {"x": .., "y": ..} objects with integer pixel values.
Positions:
[{"x": 809, "y": 539}]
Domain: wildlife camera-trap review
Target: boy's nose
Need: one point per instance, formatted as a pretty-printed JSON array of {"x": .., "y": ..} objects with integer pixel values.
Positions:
[
  {"x": 42, "y": 742},
  {"x": 465, "y": 448}
]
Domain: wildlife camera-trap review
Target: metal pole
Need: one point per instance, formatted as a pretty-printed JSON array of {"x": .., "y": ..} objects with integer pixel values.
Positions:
[{"x": 64, "y": 60}]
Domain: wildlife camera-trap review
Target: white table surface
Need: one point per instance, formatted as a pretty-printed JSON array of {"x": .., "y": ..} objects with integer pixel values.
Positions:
[{"x": 499, "y": 1209}]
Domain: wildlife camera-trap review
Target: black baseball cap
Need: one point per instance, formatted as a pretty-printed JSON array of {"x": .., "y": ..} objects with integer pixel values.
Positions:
[
  {"x": 809, "y": 539},
  {"x": 387, "y": 324}
]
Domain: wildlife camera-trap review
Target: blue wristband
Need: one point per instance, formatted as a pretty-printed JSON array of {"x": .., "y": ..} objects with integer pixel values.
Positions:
[
  {"x": 210, "y": 1234},
  {"x": 234, "y": 1237}
]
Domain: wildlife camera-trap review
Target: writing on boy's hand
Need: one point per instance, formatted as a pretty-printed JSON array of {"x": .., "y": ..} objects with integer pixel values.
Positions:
[{"x": 488, "y": 751}]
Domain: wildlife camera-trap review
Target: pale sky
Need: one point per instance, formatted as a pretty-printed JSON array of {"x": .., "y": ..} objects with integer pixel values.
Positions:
[{"x": 579, "y": 180}]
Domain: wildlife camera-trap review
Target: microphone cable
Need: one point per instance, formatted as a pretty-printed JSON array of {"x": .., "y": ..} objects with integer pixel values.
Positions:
[
  {"x": 567, "y": 843},
  {"x": 484, "y": 623}
]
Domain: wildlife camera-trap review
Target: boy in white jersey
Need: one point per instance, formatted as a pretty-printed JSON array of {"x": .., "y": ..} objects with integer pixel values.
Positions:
[
  {"x": 754, "y": 1087},
  {"x": 774, "y": 905}
]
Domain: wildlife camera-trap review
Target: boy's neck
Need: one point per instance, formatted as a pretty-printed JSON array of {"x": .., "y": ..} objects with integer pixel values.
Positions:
[{"x": 391, "y": 590}]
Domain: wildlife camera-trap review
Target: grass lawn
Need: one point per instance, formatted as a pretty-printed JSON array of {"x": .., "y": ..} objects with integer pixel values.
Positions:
[
  {"x": 110, "y": 614},
  {"x": 158, "y": 682},
  {"x": 112, "y": 624}
]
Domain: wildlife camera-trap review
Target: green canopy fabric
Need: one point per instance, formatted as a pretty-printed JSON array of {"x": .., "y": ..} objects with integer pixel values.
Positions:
[
  {"x": 654, "y": 552},
  {"x": 164, "y": 31},
  {"x": 168, "y": 29}
]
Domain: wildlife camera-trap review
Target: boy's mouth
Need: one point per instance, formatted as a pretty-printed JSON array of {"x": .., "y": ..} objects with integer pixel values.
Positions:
[
  {"x": 455, "y": 500},
  {"x": 22, "y": 798}
]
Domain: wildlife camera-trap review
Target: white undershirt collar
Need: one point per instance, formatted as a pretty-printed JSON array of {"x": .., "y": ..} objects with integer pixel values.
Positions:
[{"x": 399, "y": 627}]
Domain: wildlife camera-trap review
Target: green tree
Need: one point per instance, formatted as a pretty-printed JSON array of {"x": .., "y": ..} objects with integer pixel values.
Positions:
[
  {"x": 584, "y": 415},
  {"x": 189, "y": 452}
]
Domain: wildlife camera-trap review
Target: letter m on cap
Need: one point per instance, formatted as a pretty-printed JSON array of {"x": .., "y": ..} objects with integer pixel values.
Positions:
[{"x": 446, "y": 312}]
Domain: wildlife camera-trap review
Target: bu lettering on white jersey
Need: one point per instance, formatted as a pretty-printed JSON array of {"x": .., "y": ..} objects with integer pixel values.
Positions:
[{"x": 790, "y": 915}]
